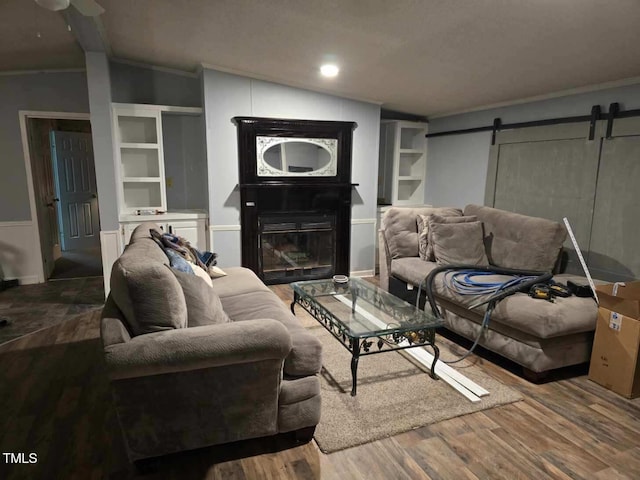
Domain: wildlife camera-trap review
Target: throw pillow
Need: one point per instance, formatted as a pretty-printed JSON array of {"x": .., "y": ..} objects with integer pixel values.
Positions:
[
  {"x": 434, "y": 218},
  {"x": 177, "y": 261},
  {"x": 147, "y": 294},
  {"x": 423, "y": 236},
  {"x": 216, "y": 272},
  {"x": 203, "y": 304},
  {"x": 458, "y": 243},
  {"x": 199, "y": 272}
]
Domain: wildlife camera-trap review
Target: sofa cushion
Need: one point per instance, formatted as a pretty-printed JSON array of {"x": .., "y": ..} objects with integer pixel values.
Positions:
[
  {"x": 401, "y": 228},
  {"x": 203, "y": 304},
  {"x": 198, "y": 271},
  {"x": 458, "y": 243},
  {"x": 147, "y": 293},
  {"x": 305, "y": 357},
  {"x": 519, "y": 241},
  {"x": 538, "y": 318},
  {"x": 412, "y": 270},
  {"x": 429, "y": 255},
  {"x": 238, "y": 280}
]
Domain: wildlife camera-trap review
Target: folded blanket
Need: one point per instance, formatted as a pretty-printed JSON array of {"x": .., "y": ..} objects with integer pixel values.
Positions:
[{"x": 182, "y": 247}]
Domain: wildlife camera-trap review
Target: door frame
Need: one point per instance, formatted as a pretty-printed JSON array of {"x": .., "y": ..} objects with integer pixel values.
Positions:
[{"x": 23, "y": 116}]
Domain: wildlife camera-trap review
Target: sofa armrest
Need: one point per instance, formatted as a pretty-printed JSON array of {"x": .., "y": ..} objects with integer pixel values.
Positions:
[
  {"x": 384, "y": 260},
  {"x": 198, "y": 347},
  {"x": 306, "y": 354}
]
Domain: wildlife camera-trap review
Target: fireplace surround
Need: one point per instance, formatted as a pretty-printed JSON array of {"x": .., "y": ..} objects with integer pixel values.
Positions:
[{"x": 295, "y": 192}]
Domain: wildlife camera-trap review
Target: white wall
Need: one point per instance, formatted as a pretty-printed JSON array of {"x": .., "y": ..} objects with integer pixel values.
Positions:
[
  {"x": 227, "y": 96},
  {"x": 457, "y": 164}
]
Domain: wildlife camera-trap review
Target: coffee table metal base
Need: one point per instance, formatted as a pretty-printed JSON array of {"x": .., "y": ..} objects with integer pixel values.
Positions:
[{"x": 361, "y": 346}]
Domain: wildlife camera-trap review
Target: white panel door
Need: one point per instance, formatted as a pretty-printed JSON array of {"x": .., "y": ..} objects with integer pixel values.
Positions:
[{"x": 75, "y": 178}]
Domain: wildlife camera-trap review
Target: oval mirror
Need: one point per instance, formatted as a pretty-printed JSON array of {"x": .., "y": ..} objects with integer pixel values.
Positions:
[{"x": 296, "y": 157}]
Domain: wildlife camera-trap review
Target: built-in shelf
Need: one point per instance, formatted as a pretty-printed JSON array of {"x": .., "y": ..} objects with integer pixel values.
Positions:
[
  {"x": 140, "y": 158},
  {"x": 403, "y": 161},
  {"x": 139, "y": 162}
]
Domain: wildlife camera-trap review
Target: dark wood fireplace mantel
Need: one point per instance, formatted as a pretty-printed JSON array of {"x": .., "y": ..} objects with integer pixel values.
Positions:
[{"x": 314, "y": 197}]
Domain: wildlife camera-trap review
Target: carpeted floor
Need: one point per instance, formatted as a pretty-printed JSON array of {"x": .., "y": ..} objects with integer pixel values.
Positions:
[{"x": 394, "y": 394}]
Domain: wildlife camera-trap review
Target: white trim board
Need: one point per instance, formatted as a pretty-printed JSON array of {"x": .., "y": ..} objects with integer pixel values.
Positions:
[
  {"x": 363, "y": 221},
  {"x": 471, "y": 390},
  {"x": 224, "y": 228},
  {"x": 111, "y": 247},
  {"x": 17, "y": 223},
  {"x": 362, "y": 273}
]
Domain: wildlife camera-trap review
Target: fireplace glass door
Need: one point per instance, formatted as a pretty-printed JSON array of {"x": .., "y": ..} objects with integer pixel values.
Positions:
[{"x": 297, "y": 248}]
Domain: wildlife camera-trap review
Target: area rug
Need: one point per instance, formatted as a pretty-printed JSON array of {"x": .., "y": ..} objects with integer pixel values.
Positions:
[{"x": 394, "y": 395}]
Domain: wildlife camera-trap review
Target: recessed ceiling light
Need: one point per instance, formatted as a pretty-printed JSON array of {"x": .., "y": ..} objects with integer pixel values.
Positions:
[{"x": 329, "y": 70}]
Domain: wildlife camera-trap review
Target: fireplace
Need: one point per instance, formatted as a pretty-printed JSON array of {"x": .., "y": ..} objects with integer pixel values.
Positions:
[
  {"x": 296, "y": 246},
  {"x": 295, "y": 190}
]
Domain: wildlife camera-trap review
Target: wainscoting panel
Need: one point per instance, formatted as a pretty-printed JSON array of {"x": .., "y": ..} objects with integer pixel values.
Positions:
[
  {"x": 111, "y": 246},
  {"x": 20, "y": 256},
  {"x": 225, "y": 241},
  {"x": 363, "y": 233}
]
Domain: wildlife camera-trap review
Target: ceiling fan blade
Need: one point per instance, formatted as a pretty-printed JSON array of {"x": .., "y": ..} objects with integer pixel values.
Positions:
[{"x": 88, "y": 8}]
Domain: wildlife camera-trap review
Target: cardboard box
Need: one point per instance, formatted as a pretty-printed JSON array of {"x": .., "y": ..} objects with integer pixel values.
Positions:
[{"x": 615, "y": 359}]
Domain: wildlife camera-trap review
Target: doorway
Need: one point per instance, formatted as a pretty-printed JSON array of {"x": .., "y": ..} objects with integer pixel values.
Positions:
[{"x": 66, "y": 201}]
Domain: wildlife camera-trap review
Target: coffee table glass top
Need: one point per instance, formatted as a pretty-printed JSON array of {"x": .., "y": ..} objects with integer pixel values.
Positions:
[{"x": 375, "y": 312}]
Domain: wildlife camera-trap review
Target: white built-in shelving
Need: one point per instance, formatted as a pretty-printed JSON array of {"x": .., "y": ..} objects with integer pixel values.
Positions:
[
  {"x": 139, "y": 158},
  {"x": 403, "y": 162}
]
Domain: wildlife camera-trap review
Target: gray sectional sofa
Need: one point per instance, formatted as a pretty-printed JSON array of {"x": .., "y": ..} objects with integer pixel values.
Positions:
[
  {"x": 192, "y": 365},
  {"x": 536, "y": 334}
]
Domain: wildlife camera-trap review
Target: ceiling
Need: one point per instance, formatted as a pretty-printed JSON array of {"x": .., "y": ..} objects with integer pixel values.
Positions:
[{"x": 424, "y": 57}]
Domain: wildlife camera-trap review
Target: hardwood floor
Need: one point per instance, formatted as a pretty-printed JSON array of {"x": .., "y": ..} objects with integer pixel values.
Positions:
[{"x": 55, "y": 402}]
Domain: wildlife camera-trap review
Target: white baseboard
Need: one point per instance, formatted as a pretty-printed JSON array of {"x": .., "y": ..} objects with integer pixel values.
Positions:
[
  {"x": 224, "y": 228},
  {"x": 111, "y": 246},
  {"x": 363, "y": 221},
  {"x": 363, "y": 273},
  {"x": 26, "y": 280}
]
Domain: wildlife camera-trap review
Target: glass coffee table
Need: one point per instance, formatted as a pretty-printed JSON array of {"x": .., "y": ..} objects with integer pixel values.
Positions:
[{"x": 366, "y": 319}]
